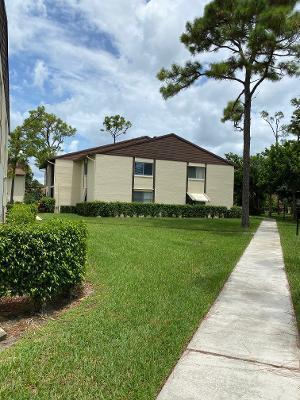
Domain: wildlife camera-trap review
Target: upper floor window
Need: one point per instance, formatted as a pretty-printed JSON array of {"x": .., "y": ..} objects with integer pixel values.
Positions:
[
  {"x": 196, "y": 173},
  {"x": 144, "y": 169}
]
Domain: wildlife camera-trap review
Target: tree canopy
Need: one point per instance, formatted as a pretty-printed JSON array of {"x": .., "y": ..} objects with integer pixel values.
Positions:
[
  {"x": 116, "y": 125},
  {"x": 256, "y": 40},
  {"x": 46, "y": 134},
  {"x": 17, "y": 155},
  {"x": 293, "y": 128}
]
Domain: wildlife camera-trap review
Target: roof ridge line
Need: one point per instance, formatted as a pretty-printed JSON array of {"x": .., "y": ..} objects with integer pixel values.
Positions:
[{"x": 125, "y": 142}]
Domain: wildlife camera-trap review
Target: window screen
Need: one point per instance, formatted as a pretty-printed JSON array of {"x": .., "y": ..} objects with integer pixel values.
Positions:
[
  {"x": 142, "y": 197},
  {"x": 196, "y": 173},
  {"x": 142, "y": 168}
]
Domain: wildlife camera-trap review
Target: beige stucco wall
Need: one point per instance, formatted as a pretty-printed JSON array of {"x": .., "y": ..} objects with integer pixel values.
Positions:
[
  {"x": 219, "y": 185},
  {"x": 63, "y": 181},
  {"x": 113, "y": 178},
  {"x": 19, "y": 188},
  {"x": 196, "y": 186},
  {"x": 170, "y": 182},
  {"x": 91, "y": 180},
  {"x": 3, "y": 148},
  {"x": 77, "y": 182},
  {"x": 143, "y": 182}
]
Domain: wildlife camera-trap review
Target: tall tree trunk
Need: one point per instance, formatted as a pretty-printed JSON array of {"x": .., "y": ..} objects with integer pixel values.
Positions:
[{"x": 246, "y": 157}]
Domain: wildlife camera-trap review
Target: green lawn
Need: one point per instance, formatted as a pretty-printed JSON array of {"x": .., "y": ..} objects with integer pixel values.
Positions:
[
  {"x": 154, "y": 280},
  {"x": 291, "y": 250}
]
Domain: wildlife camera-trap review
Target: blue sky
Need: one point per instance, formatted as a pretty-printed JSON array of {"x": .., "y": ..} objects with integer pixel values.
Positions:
[{"x": 85, "y": 59}]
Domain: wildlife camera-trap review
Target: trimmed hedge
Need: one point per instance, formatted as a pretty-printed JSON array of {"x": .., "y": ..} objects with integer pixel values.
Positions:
[
  {"x": 68, "y": 209},
  {"x": 47, "y": 205},
  {"x": 41, "y": 260},
  {"x": 102, "y": 209},
  {"x": 22, "y": 213}
]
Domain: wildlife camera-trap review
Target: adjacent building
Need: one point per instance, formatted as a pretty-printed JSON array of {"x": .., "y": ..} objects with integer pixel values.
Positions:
[
  {"x": 4, "y": 108},
  {"x": 19, "y": 186},
  {"x": 166, "y": 169}
]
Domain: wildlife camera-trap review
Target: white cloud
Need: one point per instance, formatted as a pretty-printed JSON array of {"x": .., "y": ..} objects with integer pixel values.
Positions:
[
  {"x": 71, "y": 147},
  {"x": 90, "y": 82},
  {"x": 40, "y": 74}
]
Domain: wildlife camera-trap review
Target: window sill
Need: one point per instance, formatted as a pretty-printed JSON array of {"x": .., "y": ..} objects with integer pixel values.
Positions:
[
  {"x": 143, "y": 176},
  {"x": 195, "y": 179}
]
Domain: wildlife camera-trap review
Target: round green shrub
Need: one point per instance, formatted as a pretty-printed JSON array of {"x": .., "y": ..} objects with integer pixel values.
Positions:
[{"x": 41, "y": 260}]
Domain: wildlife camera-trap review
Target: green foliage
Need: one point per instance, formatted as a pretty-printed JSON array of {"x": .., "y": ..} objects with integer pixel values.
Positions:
[
  {"x": 234, "y": 112},
  {"x": 41, "y": 260},
  {"x": 102, "y": 209},
  {"x": 274, "y": 123},
  {"x": 68, "y": 209},
  {"x": 257, "y": 188},
  {"x": 255, "y": 34},
  {"x": 45, "y": 134},
  {"x": 17, "y": 154},
  {"x": 257, "y": 40},
  {"x": 33, "y": 189},
  {"x": 22, "y": 213},
  {"x": 293, "y": 128},
  {"x": 47, "y": 205},
  {"x": 116, "y": 125}
]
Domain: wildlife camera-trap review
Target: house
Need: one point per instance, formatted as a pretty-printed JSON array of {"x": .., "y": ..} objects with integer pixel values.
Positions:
[
  {"x": 19, "y": 186},
  {"x": 4, "y": 108},
  {"x": 166, "y": 169}
]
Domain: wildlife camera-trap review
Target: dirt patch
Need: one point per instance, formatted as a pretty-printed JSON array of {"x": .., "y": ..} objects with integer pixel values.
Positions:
[{"x": 18, "y": 314}]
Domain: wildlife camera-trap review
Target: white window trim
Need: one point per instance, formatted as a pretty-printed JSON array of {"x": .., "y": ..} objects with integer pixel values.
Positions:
[
  {"x": 143, "y": 176},
  {"x": 196, "y": 179}
]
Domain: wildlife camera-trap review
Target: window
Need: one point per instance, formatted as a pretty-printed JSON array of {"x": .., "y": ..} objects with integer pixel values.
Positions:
[
  {"x": 196, "y": 173},
  {"x": 142, "y": 168},
  {"x": 142, "y": 197}
]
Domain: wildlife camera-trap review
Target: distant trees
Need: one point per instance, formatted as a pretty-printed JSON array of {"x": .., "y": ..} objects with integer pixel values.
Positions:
[
  {"x": 41, "y": 136},
  {"x": 17, "y": 155},
  {"x": 33, "y": 188},
  {"x": 274, "y": 172},
  {"x": 257, "y": 190},
  {"x": 45, "y": 134},
  {"x": 116, "y": 125},
  {"x": 275, "y": 124},
  {"x": 257, "y": 40}
]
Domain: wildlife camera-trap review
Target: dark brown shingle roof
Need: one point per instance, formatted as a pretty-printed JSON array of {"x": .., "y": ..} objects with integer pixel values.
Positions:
[{"x": 168, "y": 147}]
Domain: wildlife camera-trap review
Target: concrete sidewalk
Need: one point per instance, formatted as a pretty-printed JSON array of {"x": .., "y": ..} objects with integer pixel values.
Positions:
[{"x": 247, "y": 346}]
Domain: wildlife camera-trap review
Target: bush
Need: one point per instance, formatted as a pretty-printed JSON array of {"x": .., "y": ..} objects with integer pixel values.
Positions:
[
  {"x": 102, "y": 209},
  {"x": 41, "y": 260},
  {"x": 47, "y": 205},
  {"x": 68, "y": 209},
  {"x": 234, "y": 212},
  {"x": 22, "y": 213}
]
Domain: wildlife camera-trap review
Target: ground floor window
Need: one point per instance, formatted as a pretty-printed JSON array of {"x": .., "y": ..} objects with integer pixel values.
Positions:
[{"x": 143, "y": 197}]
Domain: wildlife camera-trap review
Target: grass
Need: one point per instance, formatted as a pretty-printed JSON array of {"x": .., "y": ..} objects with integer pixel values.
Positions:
[
  {"x": 291, "y": 251},
  {"x": 154, "y": 280}
]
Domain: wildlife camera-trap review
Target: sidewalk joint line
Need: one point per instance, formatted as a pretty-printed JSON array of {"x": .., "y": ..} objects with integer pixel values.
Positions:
[{"x": 249, "y": 360}]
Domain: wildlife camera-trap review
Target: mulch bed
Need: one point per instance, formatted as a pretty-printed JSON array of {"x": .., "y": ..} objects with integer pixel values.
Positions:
[{"x": 18, "y": 314}]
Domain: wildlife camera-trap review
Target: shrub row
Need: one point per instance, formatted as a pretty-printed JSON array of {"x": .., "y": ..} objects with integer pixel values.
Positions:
[
  {"x": 41, "y": 260},
  {"x": 68, "y": 209},
  {"x": 102, "y": 209},
  {"x": 47, "y": 205},
  {"x": 22, "y": 213}
]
